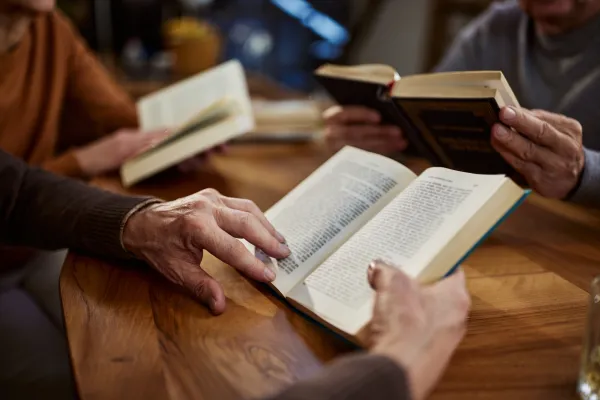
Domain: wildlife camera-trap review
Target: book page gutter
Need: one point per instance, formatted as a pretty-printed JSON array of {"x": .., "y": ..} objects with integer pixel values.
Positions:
[{"x": 326, "y": 209}]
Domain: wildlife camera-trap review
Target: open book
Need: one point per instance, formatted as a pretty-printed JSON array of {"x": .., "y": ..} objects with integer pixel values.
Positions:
[
  {"x": 447, "y": 117},
  {"x": 204, "y": 111},
  {"x": 360, "y": 206}
]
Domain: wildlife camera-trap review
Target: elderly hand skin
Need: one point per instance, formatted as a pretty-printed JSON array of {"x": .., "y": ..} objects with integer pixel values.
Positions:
[
  {"x": 172, "y": 237},
  {"x": 546, "y": 148},
  {"x": 361, "y": 127},
  {"x": 418, "y": 327},
  {"x": 109, "y": 153}
]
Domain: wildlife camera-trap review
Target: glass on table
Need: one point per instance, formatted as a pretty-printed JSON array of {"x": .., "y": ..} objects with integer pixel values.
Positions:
[{"x": 589, "y": 374}]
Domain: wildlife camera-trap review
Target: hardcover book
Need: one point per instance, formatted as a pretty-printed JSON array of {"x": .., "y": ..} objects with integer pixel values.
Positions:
[
  {"x": 447, "y": 117},
  {"x": 360, "y": 206}
]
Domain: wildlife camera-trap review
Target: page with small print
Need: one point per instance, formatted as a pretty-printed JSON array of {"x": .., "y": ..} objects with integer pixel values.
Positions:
[
  {"x": 408, "y": 232},
  {"x": 328, "y": 207}
]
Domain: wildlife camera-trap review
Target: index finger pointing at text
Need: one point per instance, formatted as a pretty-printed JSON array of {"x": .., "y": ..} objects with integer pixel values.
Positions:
[
  {"x": 233, "y": 252},
  {"x": 252, "y": 208},
  {"x": 530, "y": 126}
]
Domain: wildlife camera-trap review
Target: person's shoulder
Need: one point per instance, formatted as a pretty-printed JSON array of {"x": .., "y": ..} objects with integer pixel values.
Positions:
[
  {"x": 488, "y": 42},
  {"x": 501, "y": 19}
]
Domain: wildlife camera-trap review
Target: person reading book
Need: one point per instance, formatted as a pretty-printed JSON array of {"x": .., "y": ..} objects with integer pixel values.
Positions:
[
  {"x": 60, "y": 110},
  {"x": 413, "y": 332},
  {"x": 549, "y": 53}
]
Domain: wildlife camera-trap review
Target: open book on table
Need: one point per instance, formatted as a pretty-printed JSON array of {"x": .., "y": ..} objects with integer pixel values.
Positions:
[
  {"x": 360, "y": 206},
  {"x": 204, "y": 111},
  {"x": 447, "y": 116}
]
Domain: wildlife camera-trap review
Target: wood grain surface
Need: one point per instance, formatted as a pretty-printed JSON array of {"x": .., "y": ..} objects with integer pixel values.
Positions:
[{"x": 134, "y": 336}]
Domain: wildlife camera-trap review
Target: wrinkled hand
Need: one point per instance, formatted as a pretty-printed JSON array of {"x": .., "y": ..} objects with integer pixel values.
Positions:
[
  {"x": 359, "y": 127},
  {"x": 418, "y": 327},
  {"x": 172, "y": 237},
  {"x": 545, "y": 148}
]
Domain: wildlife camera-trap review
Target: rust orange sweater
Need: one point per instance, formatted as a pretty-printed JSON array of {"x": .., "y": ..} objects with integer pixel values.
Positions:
[{"x": 55, "y": 96}]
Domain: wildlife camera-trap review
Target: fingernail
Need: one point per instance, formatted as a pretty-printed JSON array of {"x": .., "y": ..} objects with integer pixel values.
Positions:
[
  {"x": 372, "y": 265},
  {"x": 500, "y": 132},
  {"x": 372, "y": 268},
  {"x": 509, "y": 113},
  {"x": 284, "y": 248},
  {"x": 376, "y": 262},
  {"x": 279, "y": 237},
  {"x": 269, "y": 275}
]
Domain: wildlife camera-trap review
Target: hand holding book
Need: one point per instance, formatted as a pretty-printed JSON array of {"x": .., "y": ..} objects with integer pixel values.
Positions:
[
  {"x": 419, "y": 327},
  {"x": 110, "y": 152},
  {"x": 458, "y": 120},
  {"x": 360, "y": 206},
  {"x": 203, "y": 112},
  {"x": 546, "y": 148},
  {"x": 361, "y": 127},
  {"x": 447, "y": 117}
]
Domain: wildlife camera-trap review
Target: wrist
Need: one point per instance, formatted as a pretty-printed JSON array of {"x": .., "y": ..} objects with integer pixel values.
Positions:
[
  {"x": 586, "y": 189},
  {"x": 134, "y": 225},
  {"x": 389, "y": 352},
  {"x": 398, "y": 355},
  {"x": 578, "y": 181},
  {"x": 81, "y": 159}
]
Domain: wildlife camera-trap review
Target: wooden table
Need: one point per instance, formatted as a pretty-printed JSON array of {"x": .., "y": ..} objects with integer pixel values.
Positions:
[{"x": 134, "y": 336}]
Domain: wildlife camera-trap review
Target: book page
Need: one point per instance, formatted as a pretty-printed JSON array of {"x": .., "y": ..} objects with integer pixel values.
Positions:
[
  {"x": 216, "y": 113},
  {"x": 408, "y": 233},
  {"x": 178, "y": 104},
  {"x": 329, "y": 206}
]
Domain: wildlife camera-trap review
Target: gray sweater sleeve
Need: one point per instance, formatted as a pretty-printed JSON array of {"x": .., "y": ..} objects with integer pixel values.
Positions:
[{"x": 588, "y": 192}]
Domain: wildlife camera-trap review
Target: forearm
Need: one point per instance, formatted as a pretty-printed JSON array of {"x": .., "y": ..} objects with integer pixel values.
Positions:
[
  {"x": 65, "y": 164},
  {"x": 39, "y": 209},
  {"x": 355, "y": 377},
  {"x": 588, "y": 191}
]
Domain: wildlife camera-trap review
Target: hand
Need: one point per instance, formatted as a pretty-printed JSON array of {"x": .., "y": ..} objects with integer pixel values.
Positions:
[
  {"x": 172, "y": 237},
  {"x": 109, "y": 153},
  {"x": 359, "y": 127},
  {"x": 418, "y": 327},
  {"x": 545, "y": 148}
]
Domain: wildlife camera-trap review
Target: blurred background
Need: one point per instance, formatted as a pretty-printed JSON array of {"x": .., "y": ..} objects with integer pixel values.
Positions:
[{"x": 148, "y": 43}]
